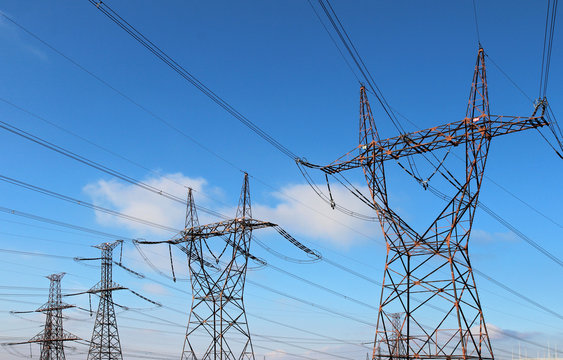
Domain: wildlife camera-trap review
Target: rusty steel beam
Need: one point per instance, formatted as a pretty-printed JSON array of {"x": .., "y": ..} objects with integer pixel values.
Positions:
[{"x": 433, "y": 265}]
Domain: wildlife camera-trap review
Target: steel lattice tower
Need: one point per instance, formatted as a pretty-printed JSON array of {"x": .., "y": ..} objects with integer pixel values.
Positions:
[
  {"x": 217, "y": 305},
  {"x": 432, "y": 269},
  {"x": 217, "y": 317},
  {"x": 53, "y": 335},
  {"x": 105, "y": 344}
]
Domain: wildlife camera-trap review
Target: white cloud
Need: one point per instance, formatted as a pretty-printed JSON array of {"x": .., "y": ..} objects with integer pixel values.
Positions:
[
  {"x": 487, "y": 237},
  {"x": 9, "y": 31},
  {"x": 276, "y": 354},
  {"x": 297, "y": 209},
  {"x": 137, "y": 202},
  {"x": 495, "y": 332},
  {"x": 301, "y": 212},
  {"x": 155, "y": 289}
]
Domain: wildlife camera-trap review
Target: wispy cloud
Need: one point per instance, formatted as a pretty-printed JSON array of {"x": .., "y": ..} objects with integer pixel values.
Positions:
[
  {"x": 10, "y": 32},
  {"x": 487, "y": 237},
  {"x": 302, "y": 212},
  {"x": 134, "y": 201},
  {"x": 296, "y": 208}
]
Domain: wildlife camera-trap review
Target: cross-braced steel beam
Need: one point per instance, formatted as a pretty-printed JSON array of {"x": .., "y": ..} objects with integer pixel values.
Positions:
[
  {"x": 105, "y": 344},
  {"x": 431, "y": 270},
  {"x": 53, "y": 335}
]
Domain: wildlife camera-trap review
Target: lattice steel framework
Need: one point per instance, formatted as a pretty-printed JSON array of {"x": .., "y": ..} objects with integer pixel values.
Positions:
[
  {"x": 217, "y": 316},
  {"x": 217, "y": 303},
  {"x": 432, "y": 269},
  {"x": 53, "y": 335},
  {"x": 105, "y": 344}
]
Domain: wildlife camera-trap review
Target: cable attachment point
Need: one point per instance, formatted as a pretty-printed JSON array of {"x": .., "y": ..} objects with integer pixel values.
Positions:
[{"x": 540, "y": 103}]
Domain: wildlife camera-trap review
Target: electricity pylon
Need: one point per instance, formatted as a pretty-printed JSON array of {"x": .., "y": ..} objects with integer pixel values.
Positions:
[
  {"x": 217, "y": 317},
  {"x": 105, "y": 344},
  {"x": 53, "y": 335},
  {"x": 397, "y": 340},
  {"x": 432, "y": 269}
]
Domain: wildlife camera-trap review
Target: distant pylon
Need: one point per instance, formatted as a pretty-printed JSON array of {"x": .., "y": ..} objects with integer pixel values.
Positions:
[
  {"x": 397, "y": 340},
  {"x": 105, "y": 343},
  {"x": 53, "y": 335}
]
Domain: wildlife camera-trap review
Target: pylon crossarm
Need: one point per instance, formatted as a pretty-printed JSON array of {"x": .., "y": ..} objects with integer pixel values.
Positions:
[
  {"x": 422, "y": 141},
  {"x": 113, "y": 288},
  {"x": 41, "y": 338},
  {"x": 50, "y": 307},
  {"x": 215, "y": 229}
]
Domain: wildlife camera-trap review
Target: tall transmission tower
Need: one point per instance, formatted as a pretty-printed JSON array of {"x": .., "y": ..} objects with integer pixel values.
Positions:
[
  {"x": 53, "y": 335},
  {"x": 217, "y": 322},
  {"x": 431, "y": 270},
  {"x": 105, "y": 344}
]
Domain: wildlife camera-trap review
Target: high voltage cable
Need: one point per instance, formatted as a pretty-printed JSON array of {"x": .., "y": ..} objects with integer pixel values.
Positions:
[
  {"x": 36, "y": 139},
  {"x": 504, "y": 333},
  {"x": 512, "y": 81},
  {"x": 354, "y": 54},
  {"x": 55, "y": 222},
  {"x": 334, "y": 41},
  {"x": 117, "y": 91},
  {"x": 515, "y": 293},
  {"x": 79, "y": 202},
  {"x": 506, "y": 224},
  {"x": 274, "y": 267},
  {"x": 155, "y": 116},
  {"x": 330, "y": 338},
  {"x": 85, "y": 204},
  {"x": 324, "y": 308},
  {"x": 311, "y": 283},
  {"x": 159, "y": 53},
  {"x": 547, "y": 45},
  {"x": 131, "y": 218},
  {"x": 60, "y": 223}
]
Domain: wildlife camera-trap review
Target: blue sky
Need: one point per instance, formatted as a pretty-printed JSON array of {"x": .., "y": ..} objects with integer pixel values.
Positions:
[{"x": 275, "y": 64}]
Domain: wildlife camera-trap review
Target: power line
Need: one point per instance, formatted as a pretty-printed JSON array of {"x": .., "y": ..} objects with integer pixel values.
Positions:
[
  {"x": 160, "y": 54},
  {"x": 64, "y": 152},
  {"x": 354, "y": 54},
  {"x": 130, "y": 218},
  {"x": 84, "y": 203},
  {"x": 36, "y": 139},
  {"x": 118, "y": 92},
  {"x": 547, "y": 45},
  {"x": 169, "y": 322},
  {"x": 299, "y": 300},
  {"x": 553, "y": 11},
  {"x": 502, "y": 71},
  {"x": 59, "y": 223},
  {"x": 159, "y": 226},
  {"x": 156, "y": 117}
]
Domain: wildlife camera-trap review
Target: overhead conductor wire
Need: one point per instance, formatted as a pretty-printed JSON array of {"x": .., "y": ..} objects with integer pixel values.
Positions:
[{"x": 159, "y": 53}]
